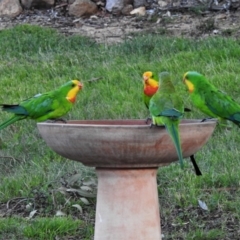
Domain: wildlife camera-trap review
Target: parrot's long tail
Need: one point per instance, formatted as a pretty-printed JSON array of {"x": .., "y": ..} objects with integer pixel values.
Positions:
[
  {"x": 172, "y": 128},
  {"x": 196, "y": 168},
  {"x": 10, "y": 121}
]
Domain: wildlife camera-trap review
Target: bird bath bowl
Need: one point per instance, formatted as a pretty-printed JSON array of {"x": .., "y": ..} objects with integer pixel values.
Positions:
[{"x": 126, "y": 154}]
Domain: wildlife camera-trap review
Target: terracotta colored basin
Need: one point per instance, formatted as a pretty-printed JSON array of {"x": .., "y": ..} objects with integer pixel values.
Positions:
[
  {"x": 126, "y": 154},
  {"x": 123, "y": 143}
]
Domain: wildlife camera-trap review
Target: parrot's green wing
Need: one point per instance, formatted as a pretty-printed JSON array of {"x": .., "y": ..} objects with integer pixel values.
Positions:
[
  {"x": 223, "y": 106},
  {"x": 41, "y": 107},
  {"x": 172, "y": 113},
  {"x": 166, "y": 105},
  {"x": 46, "y": 106},
  {"x": 166, "y": 102},
  {"x": 207, "y": 98},
  {"x": 166, "y": 108}
]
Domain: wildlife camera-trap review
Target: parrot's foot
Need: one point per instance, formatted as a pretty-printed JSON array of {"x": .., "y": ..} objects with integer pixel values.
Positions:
[
  {"x": 156, "y": 126},
  {"x": 205, "y": 119},
  {"x": 187, "y": 110},
  {"x": 223, "y": 123},
  {"x": 148, "y": 119},
  {"x": 58, "y": 120}
]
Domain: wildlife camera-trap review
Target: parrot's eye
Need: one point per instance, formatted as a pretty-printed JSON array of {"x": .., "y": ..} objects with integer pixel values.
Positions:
[{"x": 73, "y": 85}]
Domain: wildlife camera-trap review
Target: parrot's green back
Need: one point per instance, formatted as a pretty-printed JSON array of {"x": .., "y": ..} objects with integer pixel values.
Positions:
[
  {"x": 166, "y": 108},
  {"x": 207, "y": 98},
  {"x": 50, "y": 105}
]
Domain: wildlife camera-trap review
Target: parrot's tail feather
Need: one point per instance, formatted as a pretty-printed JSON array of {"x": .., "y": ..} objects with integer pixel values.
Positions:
[
  {"x": 10, "y": 121},
  {"x": 17, "y": 109},
  {"x": 173, "y": 131},
  {"x": 237, "y": 123},
  {"x": 196, "y": 168}
]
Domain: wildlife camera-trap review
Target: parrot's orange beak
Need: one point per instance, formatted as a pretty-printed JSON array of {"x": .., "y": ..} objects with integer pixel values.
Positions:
[
  {"x": 145, "y": 79},
  {"x": 80, "y": 85}
]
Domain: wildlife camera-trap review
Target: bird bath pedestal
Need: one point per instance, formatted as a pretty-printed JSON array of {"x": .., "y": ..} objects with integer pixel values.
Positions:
[{"x": 126, "y": 154}]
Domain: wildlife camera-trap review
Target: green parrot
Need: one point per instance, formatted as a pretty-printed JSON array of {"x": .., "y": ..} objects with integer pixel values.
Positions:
[
  {"x": 210, "y": 100},
  {"x": 166, "y": 108},
  {"x": 48, "y": 106}
]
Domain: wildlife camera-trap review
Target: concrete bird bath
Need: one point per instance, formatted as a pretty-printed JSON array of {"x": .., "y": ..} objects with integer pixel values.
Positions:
[{"x": 126, "y": 154}]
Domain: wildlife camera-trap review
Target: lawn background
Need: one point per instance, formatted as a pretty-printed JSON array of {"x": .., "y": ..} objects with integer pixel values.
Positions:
[{"x": 35, "y": 60}]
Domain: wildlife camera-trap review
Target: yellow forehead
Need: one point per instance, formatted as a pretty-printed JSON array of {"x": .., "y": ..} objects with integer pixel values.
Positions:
[
  {"x": 147, "y": 74},
  {"x": 76, "y": 82},
  {"x": 190, "y": 86},
  {"x": 185, "y": 75}
]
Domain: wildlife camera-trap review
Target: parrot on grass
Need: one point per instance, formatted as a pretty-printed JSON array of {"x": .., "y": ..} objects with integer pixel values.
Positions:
[
  {"x": 48, "y": 106},
  {"x": 211, "y": 101},
  {"x": 167, "y": 108}
]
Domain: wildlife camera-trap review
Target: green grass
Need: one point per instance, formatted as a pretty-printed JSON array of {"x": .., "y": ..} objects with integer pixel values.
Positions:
[
  {"x": 39, "y": 228},
  {"x": 33, "y": 60}
]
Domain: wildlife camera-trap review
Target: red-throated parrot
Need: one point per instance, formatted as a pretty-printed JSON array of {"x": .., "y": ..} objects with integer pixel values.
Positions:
[{"x": 150, "y": 87}]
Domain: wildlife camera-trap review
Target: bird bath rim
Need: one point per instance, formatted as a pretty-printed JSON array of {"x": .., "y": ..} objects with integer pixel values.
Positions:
[
  {"x": 129, "y": 143},
  {"x": 128, "y": 123}
]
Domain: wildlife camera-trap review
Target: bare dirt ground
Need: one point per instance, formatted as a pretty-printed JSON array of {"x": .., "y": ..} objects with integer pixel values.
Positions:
[{"x": 107, "y": 28}]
